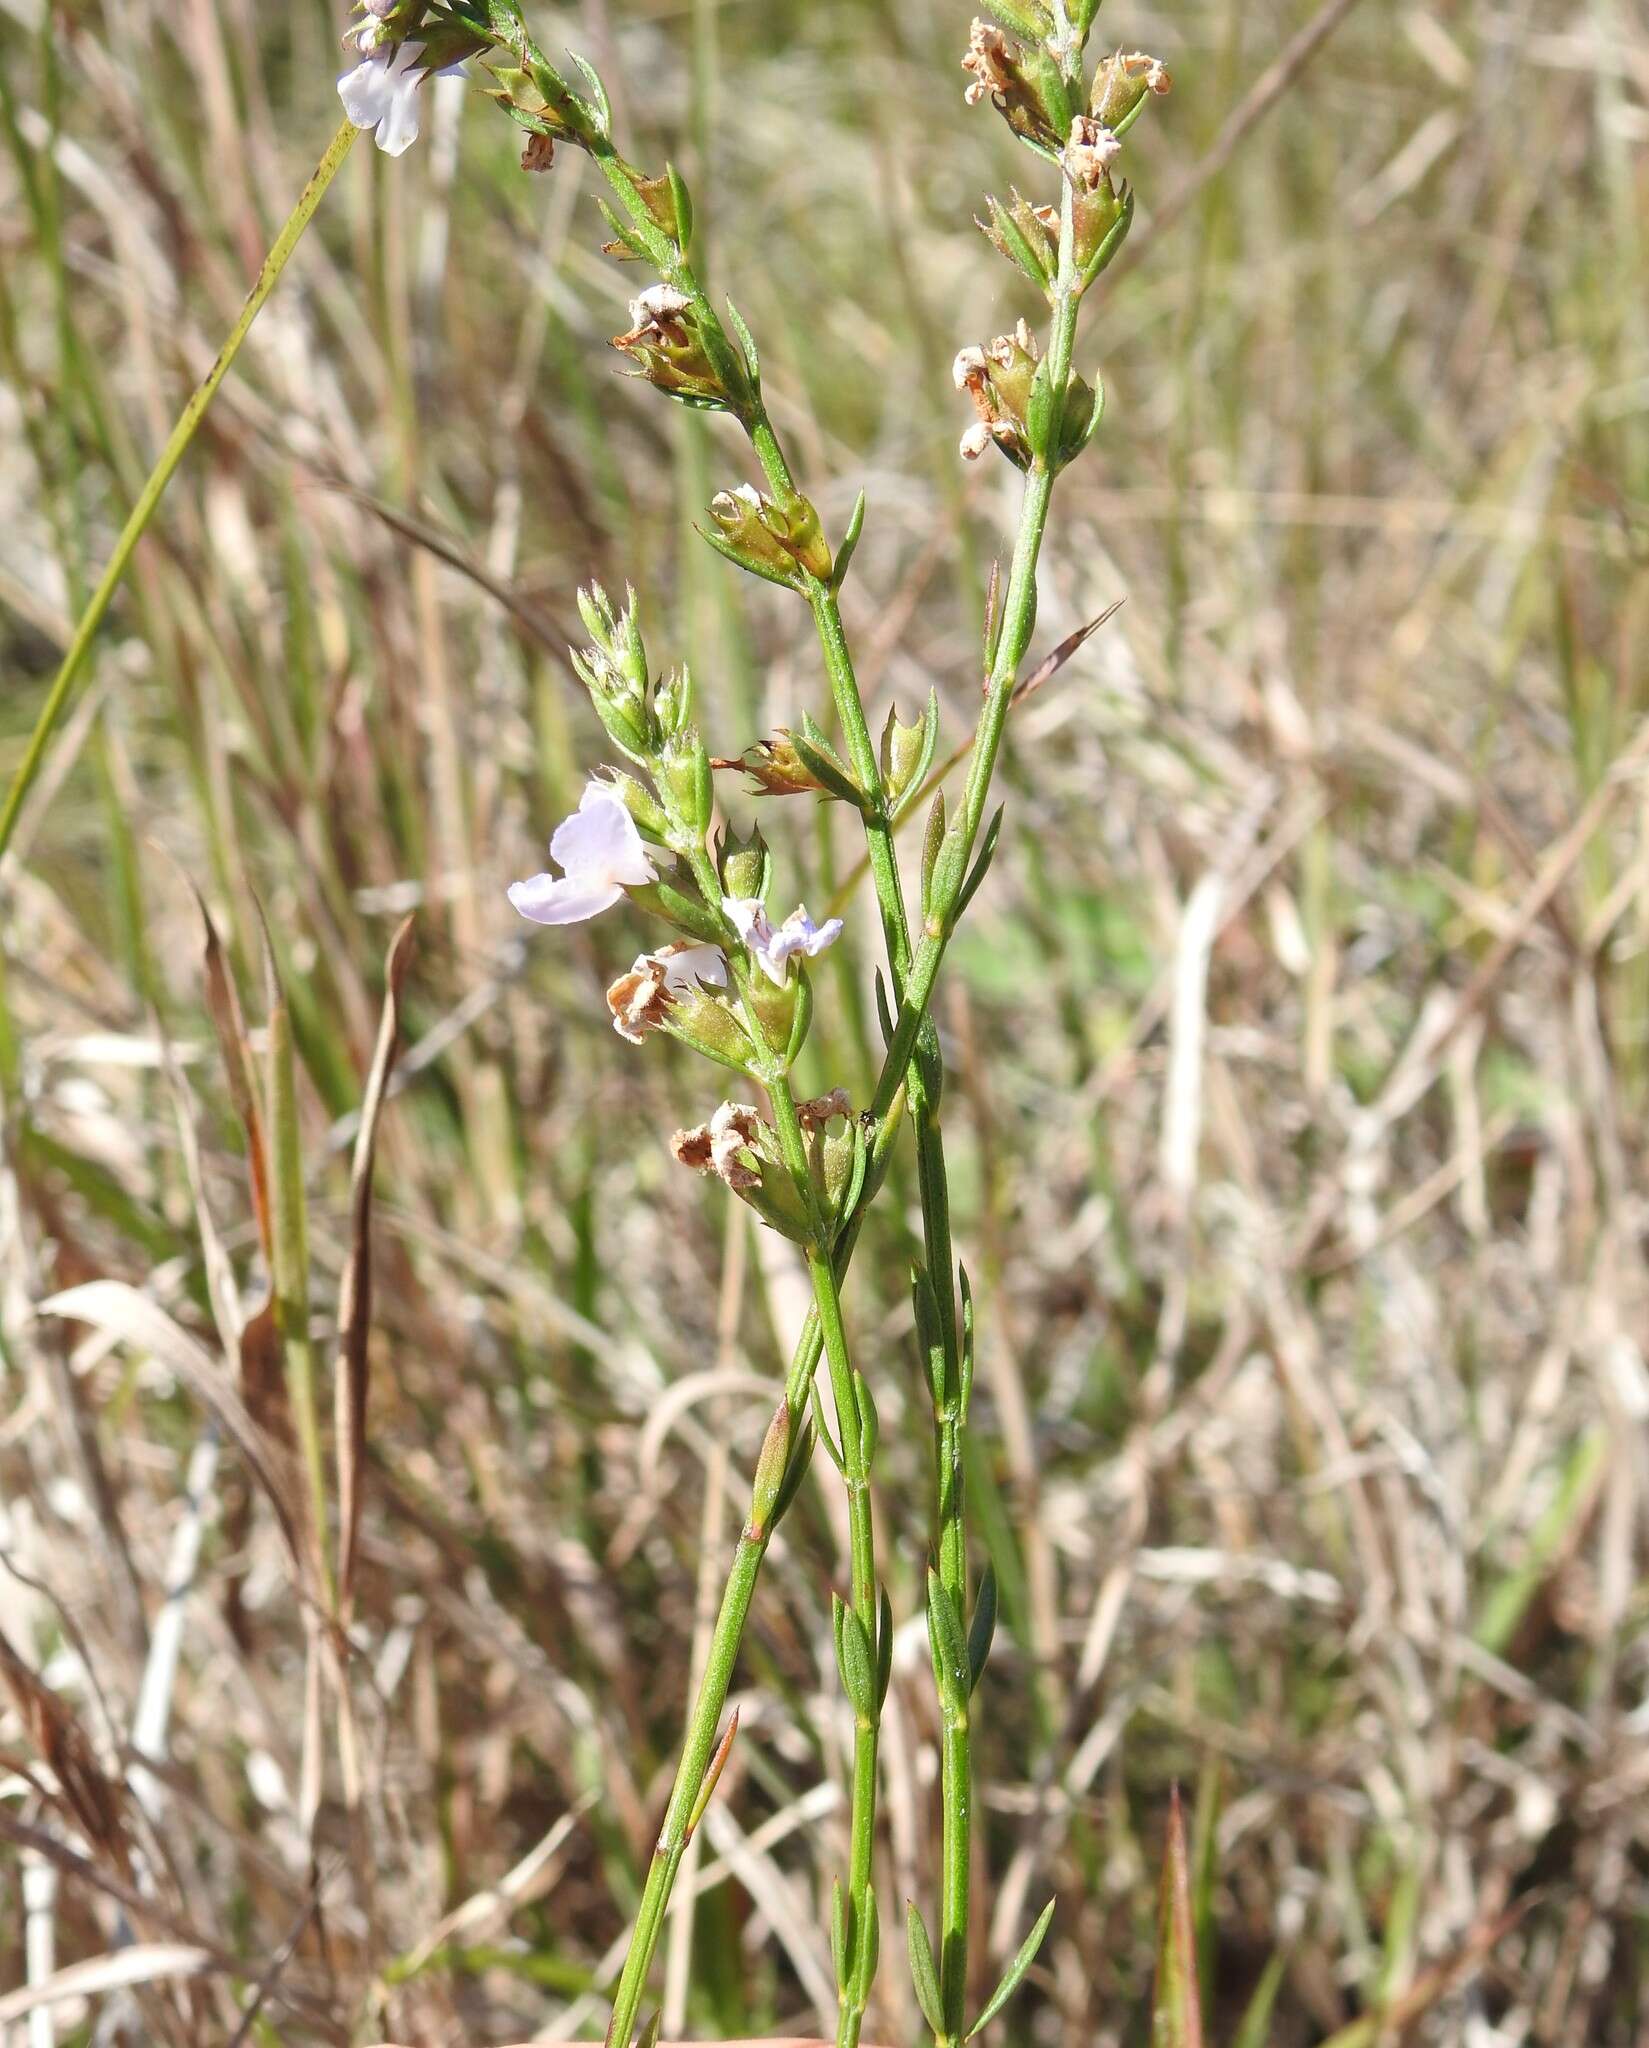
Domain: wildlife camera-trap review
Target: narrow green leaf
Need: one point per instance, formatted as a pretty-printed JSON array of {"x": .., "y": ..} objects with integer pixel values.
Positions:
[
  {"x": 747, "y": 342},
  {"x": 1254, "y": 2030},
  {"x": 1015, "y": 1971},
  {"x": 840, "y": 1932},
  {"x": 981, "y": 865},
  {"x": 600, "y": 103},
  {"x": 682, "y": 201},
  {"x": 870, "y": 1427},
  {"x": 884, "y": 1016},
  {"x": 867, "y": 1946},
  {"x": 933, "y": 840},
  {"x": 801, "y": 1457},
  {"x": 950, "y": 1651},
  {"x": 982, "y": 1628},
  {"x": 712, "y": 1774},
  {"x": 853, "y": 1659},
  {"x": 289, "y": 1251},
  {"x": 850, "y": 540},
  {"x": 923, "y": 1974},
  {"x": 821, "y": 1430},
  {"x": 884, "y": 1649}
]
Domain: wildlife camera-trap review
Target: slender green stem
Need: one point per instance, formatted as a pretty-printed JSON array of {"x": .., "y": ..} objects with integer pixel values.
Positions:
[
  {"x": 856, "y": 1426},
  {"x": 161, "y": 475},
  {"x": 697, "y": 1751}
]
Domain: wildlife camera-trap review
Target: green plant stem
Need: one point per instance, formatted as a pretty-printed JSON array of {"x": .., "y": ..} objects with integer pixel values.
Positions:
[
  {"x": 160, "y": 476},
  {"x": 856, "y": 1429},
  {"x": 697, "y": 1751}
]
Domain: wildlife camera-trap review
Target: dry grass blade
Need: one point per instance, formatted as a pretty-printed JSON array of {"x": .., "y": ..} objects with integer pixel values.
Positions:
[
  {"x": 229, "y": 1023},
  {"x": 122, "y": 1312},
  {"x": 83, "y": 1870},
  {"x": 1050, "y": 665},
  {"x": 147, "y": 1963},
  {"x": 1430, "y": 1985},
  {"x": 355, "y": 1291},
  {"x": 92, "y": 1798}
]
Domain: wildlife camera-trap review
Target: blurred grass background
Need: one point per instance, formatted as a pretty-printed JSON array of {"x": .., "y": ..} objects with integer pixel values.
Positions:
[{"x": 1299, "y": 1042}]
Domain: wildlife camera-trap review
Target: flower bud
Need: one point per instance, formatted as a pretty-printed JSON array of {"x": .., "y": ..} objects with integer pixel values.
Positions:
[
  {"x": 779, "y": 542},
  {"x": 745, "y": 866},
  {"x": 907, "y": 752},
  {"x": 710, "y": 1026},
  {"x": 673, "y": 702},
  {"x": 779, "y": 1007},
  {"x": 614, "y": 671},
  {"x": 1027, "y": 235},
  {"x": 641, "y": 804},
  {"x": 770, "y": 1471},
  {"x": 682, "y": 772},
  {"x": 1100, "y": 221}
]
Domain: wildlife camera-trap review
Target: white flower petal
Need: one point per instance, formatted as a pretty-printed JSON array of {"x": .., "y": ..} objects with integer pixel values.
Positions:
[
  {"x": 381, "y": 93},
  {"x": 688, "y": 966},
  {"x": 366, "y": 90},
  {"x": 748, "y": 917},
  {"x": 563, "y": 899},
  {"x": 817, "y": 937},
  {"x": 600, "y": 840}
]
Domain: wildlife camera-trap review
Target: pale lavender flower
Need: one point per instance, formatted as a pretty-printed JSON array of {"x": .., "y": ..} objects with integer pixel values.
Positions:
[
  {"x": 381, "y": 92},
  {"x": 773, "y": 947},
  {"x": 601, "y": 856}
]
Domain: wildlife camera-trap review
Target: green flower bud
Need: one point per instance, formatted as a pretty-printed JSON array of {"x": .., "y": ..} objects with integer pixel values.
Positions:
[
  {"x": 770, "y": 1471},
  {"x": 682, "y": 772},
  {"x": 614, "y": 671},
  {"x": 744, "y": 865},
  {"x": 673, "y": 701},
  {"x": 776, "y": 1006},
  {"x": 779, "y": 542},
  {"x": 1027, "y": 235},
  {"x": 710, "y": 1026},
  {"x": 907, "y": 752},
  {"x": 640, "y": 803},
  {"x": 1100, "y": 221}
]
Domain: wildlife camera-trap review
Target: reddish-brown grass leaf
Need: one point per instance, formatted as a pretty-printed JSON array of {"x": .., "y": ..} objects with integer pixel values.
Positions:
[{"x": 1176, "y": 2012}]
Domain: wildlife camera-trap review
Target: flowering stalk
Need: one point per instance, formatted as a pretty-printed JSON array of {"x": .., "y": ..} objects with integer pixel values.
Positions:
[{"x": 1035, "y": 411}]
